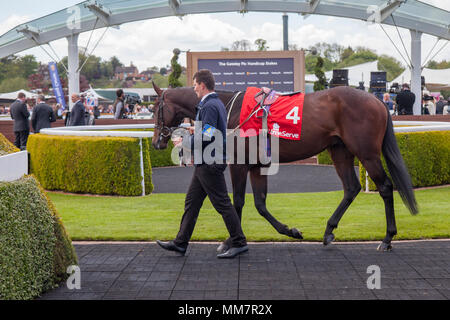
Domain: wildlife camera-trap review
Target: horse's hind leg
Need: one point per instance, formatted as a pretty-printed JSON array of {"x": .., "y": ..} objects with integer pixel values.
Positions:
[
  {"x": 259, "y": 186},
  {"x": 343, "y": 162},
  {"x": 385, "y": 188}
]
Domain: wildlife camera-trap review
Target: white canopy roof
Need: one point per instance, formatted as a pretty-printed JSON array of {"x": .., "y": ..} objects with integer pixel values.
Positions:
[
  {"x": 432, "y": 76},
  {"x": 13, "y": 95},
  {"x": 91, "y": 92},
  {"x": 360, "y": 72}
]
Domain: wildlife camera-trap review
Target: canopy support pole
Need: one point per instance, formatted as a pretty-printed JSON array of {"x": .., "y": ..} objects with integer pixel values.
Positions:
[
  {"x": 285, "y": 32},
  {"x": 73, "y": 64},
  {"x": 416, "y": 70}
]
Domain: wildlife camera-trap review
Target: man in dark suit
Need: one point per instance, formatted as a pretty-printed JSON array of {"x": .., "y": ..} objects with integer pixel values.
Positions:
[
  {"x": 405, "y": 100},
  {"x": 20, "y": 114},
  {"x": 208, "y": 178},
  {"x": 77, "y": 113},
  {"x": 42, "y": 115}
]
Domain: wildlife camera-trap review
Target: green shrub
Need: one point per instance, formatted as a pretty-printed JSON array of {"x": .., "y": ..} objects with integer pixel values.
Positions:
[
  {"x": 426, "y": 155},
  {"x": 97, "y": 165},
  {"x": 6, "y": 147},
  {"x": 161, "y": 158},
  {"x": 325, "y": 158},
  {"x": 35, "y": 250}
]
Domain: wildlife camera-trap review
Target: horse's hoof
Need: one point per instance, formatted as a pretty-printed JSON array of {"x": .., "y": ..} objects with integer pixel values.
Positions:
[
  {"x": 222, "y": 248},
  {"x": 384, "y": 247},
  {"x": 296, "y": 234},
  {"x": 327, "y": 239}
]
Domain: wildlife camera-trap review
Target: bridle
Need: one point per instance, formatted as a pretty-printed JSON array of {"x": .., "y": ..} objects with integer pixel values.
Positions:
[{"x": 164, "y": 131}]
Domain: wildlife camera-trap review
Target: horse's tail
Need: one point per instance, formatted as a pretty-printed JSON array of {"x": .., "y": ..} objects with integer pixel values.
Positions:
[{"x": 397, "y": 167}]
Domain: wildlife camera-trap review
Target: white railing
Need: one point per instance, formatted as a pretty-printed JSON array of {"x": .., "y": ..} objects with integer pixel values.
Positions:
[{"x": 417, "y": 126}]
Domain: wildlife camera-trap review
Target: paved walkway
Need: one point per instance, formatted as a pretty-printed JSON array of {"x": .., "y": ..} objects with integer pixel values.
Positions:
[
  {"x": 413, "y": 270},
  {"x": 292, "y": 178}
]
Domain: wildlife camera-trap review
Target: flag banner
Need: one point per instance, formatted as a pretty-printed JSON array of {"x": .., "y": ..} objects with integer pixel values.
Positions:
[{"x": 57, "y": 88}]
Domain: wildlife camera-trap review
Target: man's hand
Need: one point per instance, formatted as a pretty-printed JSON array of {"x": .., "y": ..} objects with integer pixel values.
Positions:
[
  {"x": 177, "y": 141},
  {"x": 191, "y": 130}
]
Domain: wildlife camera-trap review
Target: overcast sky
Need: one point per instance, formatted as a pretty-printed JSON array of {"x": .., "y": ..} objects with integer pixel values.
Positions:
[{"x": 148, "y": 43}]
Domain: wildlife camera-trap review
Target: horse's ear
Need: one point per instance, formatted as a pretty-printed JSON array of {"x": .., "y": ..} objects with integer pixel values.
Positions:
[{"x": 157, "y": 89}]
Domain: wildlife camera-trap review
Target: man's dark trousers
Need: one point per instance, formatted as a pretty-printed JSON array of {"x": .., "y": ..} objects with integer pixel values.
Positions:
[
  {"x": 21, "y": 139},
  {"x": 208, "y": 180}
]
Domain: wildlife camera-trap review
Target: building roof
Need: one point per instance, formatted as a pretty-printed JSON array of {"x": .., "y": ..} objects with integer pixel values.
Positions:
[
  {"x": 95, "y": 14},
  {"x": 131, "y": 69}
]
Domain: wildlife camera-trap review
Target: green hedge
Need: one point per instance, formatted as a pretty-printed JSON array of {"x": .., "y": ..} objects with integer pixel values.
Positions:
[
  {"x": 426, "y": 155},
  {"x": 6, "y": 147},
  {"x": 35, "y": 250},
  {"x": 325, "y": 158},
  {"x": 97, "y": 165},
  {"x": 161, "y": 158}
]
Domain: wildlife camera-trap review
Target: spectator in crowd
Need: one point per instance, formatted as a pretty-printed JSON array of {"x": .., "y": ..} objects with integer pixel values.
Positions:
[
  {"x": 90, "y": 117},
  {"x": 2, "y": 110},
  {"x": 42, "y": 115},
  {"x": 405, "y": 100},
  {"x": 20, "y": 114},
  {"x": 429, "y": 106},
  {"x": 119, "y": 106},
  {"x": 446, "y": 110},
  {"x": 77, "y": 117},
  {"x": 59, "y": 111},
  {"x": 387, "y": 101},
  {"x": 440, "y": 105},
  {"x": 144, "y": 109}
]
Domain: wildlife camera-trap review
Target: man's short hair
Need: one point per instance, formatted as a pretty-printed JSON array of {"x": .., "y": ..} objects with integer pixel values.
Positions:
[
  {"x": 21, "y": 95},
  {"x": 41, "y": 97},
  {"x": 119, "y": 93},
  {"x": 205, "y": 76},
  {"x": 405, "y": 86}
]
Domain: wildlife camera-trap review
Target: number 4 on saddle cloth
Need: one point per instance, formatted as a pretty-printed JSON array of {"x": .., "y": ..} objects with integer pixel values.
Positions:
[{"x": 285, "y": 113}]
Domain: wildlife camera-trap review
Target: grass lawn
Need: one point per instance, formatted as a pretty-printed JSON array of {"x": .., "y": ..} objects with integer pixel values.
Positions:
[{"x": 157, "y": 216}]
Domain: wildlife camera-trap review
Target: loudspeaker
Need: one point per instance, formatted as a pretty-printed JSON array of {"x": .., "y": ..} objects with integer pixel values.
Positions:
[
  {"x": 340, "y": 78},
  {"x": 378, "y": 81}
]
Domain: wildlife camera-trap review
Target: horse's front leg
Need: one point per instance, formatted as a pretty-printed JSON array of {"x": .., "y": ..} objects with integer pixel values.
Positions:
[{"x": 259, "y": 186}]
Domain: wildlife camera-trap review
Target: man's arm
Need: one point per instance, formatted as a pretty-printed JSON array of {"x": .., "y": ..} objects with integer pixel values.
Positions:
[
  {"x": 209, "y": 116},
  {"x": 52, "y": 115},
  {"x": 33, "y": 119},
  {"x": 25, "y": 111}
]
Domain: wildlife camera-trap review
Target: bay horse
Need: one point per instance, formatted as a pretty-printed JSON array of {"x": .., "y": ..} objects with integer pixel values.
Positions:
[{"x": 347, "y": 122}]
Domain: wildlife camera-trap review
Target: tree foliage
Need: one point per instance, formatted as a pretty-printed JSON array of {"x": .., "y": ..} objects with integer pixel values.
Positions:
[
  {"x": 261, "y": 45},
  {"x": 444, "y": 64},
  {"x": 318, "y": 71},
  {"x": 176, "y": 70}
]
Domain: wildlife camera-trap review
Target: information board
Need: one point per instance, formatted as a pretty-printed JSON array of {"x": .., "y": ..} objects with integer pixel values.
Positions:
[{"x": 279, "y": 70}]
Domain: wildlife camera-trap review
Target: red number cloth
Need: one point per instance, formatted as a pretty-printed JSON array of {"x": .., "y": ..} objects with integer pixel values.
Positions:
[{"x": 284, "y": 120}]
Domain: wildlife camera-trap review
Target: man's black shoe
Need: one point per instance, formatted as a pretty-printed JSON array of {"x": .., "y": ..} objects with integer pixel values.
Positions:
[
  {"x": 171, "y": 247},
  {"x": 232, "y": 252},
  {"x": 223, "y": 247}
]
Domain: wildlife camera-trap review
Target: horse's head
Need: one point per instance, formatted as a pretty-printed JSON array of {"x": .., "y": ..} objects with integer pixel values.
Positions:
[{"x": 171, "y": 106}]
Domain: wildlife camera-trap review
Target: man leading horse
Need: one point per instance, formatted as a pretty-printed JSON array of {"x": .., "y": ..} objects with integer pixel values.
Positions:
[{"x": 208, "y": 179}]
